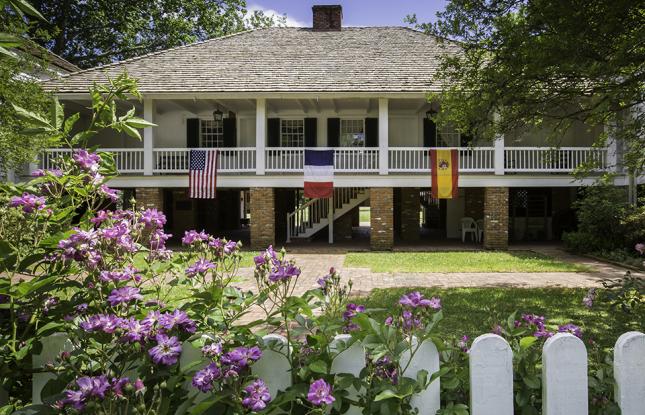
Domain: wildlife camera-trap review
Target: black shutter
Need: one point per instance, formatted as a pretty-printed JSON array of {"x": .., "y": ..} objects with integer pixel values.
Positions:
[
  {"x": 192, "y": 132},
  {"x": 371, "y": 132},
  {"x": 230, "y": 132},
  {"x": 311, "y": 132},
  {"x": 429, "y": 133},
  {"x": 273, "y": 132},
  {"x": 465, "y": 140},
  {"x": 333, "y": 132}
]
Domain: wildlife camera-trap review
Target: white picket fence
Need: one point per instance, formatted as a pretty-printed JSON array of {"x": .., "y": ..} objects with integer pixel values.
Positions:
[{"x": 564, "y": 372}]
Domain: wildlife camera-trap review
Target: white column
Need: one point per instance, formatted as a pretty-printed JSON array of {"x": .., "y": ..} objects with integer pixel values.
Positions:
[
  {"x": 148, "y": 137},
  {"x": 499, "y": 154},
  {"x": 383, "y": 135},
  {"x": 612, "y": 148},
  {"x": 260, "y": 135}
]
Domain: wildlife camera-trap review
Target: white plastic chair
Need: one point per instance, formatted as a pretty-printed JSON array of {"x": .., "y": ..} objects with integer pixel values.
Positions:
[
  {"x": 468, "y": 225},
  {"x": 480, "y": 229}
]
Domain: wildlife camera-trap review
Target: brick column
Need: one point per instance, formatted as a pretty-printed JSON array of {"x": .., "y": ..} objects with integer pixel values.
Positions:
[
  {"x": 496, "y": 218},
  {"x": 149, "y": 197},
  {"x": 262, "y": 217},
  {"x": 410, "y": 206},
  {"x": 382, "y": 218},
  {"x": 474, "y": 203}
]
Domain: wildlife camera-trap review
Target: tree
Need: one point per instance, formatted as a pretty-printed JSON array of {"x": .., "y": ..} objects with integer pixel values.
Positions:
[
  {"x": 95, "y": 32},
  {"x": 544, "y": 62}
]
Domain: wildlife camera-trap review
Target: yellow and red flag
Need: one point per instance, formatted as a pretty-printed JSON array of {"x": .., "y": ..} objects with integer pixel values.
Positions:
[{"x": 444, "y": 165}]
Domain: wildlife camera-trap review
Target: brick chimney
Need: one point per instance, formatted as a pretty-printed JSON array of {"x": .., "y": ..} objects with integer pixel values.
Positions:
[{"x": 328, "y": 17}]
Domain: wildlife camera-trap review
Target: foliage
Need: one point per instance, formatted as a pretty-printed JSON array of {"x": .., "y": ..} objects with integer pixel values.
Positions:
[
  {"x": 91, "y": 33},
  {"x": 470, "y": 261},
  {"x": 606, "y": 222},
  {"x": 11, "y": 39},
  {"x": 548, "y": 63},
  {"x": 626, "y": 294}
]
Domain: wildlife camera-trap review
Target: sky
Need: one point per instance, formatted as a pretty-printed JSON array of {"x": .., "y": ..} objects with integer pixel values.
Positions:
[{"x": 355, "y": 12}]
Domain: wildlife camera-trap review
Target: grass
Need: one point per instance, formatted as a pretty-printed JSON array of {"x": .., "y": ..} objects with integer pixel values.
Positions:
[
  {"x": 474, "y": 311},
  {"x": 364, "y": 213},
  {"x": 473, "y": 261}
]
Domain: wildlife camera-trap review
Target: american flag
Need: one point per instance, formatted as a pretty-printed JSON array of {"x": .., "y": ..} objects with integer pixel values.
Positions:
[{"x": 202, "y": 174}]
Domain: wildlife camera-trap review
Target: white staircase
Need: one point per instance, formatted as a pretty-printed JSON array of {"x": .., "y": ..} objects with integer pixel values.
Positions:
[{"x": 313, "y": 216}]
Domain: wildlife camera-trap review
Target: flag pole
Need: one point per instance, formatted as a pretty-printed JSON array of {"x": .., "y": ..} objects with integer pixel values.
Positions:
[{"x": 330, "y": 218}]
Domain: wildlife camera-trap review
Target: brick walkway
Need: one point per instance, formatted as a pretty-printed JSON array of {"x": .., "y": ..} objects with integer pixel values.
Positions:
[{"x": 315, "y": 265}]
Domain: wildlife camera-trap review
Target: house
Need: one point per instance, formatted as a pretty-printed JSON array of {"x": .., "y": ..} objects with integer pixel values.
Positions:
[{"x": 262, "y": 96}]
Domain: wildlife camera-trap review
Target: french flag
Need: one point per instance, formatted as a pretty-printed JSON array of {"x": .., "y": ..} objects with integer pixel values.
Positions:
[{"x": 319, "y": 174}]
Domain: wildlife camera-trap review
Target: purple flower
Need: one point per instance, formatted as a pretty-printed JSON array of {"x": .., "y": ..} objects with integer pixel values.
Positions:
[
  {"x": 242, "y": 356},
  {"x": 463, "y": 344},
  {"x": 75, "y": 399},
  {"x": 124, "y": 295},
  {"x": 152, "y": 218},
  {"x": 28, "y": 202},
  {"x": 284, "y": 272},
  {"x": 497, "y": 330},
  {"x": 203, "y": 379},
  {"x": 129, "y": 273},
  {"x": 177, "y": 319},
  {"x": 100, "y": 217},
  {"x": 200, "y": 267},
  {"x": 135, "y": 331},
  {"x": 589, "y": 298},
  {"x": 351, "y": 310},
  {"x": 49, "y": 303},
  {"x": 106, "y": 323},
  {"x": 110, "y": 193},
  {"x": 259, "y": 260},
  {"x": 87, "y": 161},
  {"x": 230, "y": 247},
  {"x": 193, "y": 236},
  {"x": 118, "y": 384},
  {"x": 213, "y": 349},
  {"x": 138, "y": 385},
  {"x": 257, "y": 396},
  {"x": 415, "y": 299},
  {"x": 320, "y": 393},
  {"x": 158, "y": 239},
  {"x": 42, "y": 173},
  {"x": 389, "y": 321},
  {"x": 410, "y": 322},
  {"x": 167, "y": 350},
  {"x": 571, "y": 328}
]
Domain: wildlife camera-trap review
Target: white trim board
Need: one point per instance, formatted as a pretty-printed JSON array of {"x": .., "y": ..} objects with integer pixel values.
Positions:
[{"x": 367, "y": 180}]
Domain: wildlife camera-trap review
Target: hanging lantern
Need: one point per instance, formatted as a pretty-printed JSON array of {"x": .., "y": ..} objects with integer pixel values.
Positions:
[{"x": 218, "y": 115}]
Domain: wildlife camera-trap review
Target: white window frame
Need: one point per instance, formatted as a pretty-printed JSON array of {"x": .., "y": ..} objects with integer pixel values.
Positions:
[
  {"x": 362, "y": 120},
  {"x": 217, "y": 134},
  {"x": 286, "y": 139}
]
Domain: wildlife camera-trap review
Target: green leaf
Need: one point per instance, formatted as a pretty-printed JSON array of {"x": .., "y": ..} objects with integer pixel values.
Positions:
[
  {"x": 318, "y": 366},
  {"x": 388, "y": 394},
  {"x": 136, "y": 122},
  {"x": 526, "y": 342},
  {"x": 31, "y": 117},
  {"x": 26, "y": 8},
  {"x": 56, "y": 114}
]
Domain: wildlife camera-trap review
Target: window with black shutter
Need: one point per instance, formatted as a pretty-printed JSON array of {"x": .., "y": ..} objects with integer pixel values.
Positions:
[
  {"x": 371, "y": 132},
  {"x": 333, "y": 132},
  {"x": 273, "y": 132},
  {"x": 311, "y": 132},
  {"x": 192, "y": 132}
]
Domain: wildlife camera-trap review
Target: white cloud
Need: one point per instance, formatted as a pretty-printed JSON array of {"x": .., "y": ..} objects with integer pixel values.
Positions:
[{"x": 291, "y": 22}]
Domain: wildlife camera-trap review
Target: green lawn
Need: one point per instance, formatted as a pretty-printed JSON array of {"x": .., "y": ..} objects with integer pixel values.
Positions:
[
  {"x": 474, "y": 311},
  {"x": 474, "y": 261},
  {"x": 364, "y": 213}
]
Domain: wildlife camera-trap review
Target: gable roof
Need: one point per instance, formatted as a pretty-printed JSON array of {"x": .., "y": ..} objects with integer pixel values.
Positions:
[{"x": 370, "y": 59}]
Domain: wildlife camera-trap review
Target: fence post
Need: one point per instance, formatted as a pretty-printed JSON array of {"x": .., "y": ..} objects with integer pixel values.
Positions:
[
  {"x": 426, "y": 358},
  {"x": 629, "y": 373},
  {"x": 273, "y": 367},
  {"x": 564, "y": 376},
  {"x": 349, "y": 360},
  {"x": 52, "y": 346},
  {"x": 491, "y": 376}
]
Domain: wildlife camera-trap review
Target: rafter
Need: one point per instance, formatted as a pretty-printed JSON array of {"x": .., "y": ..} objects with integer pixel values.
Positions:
[
  {"x": 315, "y": 104},
  {"x": 334, "y": 103},
  {"x": 369, "y": 106},
  {"x": 304, "y": 106},
  {"x": 185, "y": 105}
]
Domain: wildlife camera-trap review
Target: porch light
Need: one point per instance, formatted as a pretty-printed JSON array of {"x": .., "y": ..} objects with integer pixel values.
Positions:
[{"x": 218, "y": 115}]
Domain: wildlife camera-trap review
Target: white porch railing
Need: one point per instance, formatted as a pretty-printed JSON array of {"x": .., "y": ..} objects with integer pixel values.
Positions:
[
  {"x": 127, "y": 160},
  {"x": 357, "y": 160},
  {"x": 346, "y": 159},
  {"x": 230, "y": 160},
  {"x": 553, "y": 160},
  {"x": 417, "y": 159}
]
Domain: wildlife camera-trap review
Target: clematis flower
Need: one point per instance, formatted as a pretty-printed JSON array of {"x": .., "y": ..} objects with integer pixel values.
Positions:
[
  {"x": 124, "y": 295},
  {"x": 640, "y": 248},
  {"x": 28, "y": 202},
  {"x": 192, "y": 236},
  {"x": 284, "y": 272},
  {"x": 415, "y": 299},
  {"x": 320, "y": 393},
  {"x": 152, "y": 218},
  {"x": 203, "y": 379},
  {"x": 86, "y": 160},
  {"x": 167, "y": 350},
  {"x": 571, "y": 328},
  {"x": 257, "y": 396},
  {"x": 178, "y": 319},
  {"x": 242, "y": 356},
  {"x": 200, "y": 267}
]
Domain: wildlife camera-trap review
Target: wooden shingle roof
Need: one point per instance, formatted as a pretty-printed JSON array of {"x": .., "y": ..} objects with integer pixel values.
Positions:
[{"x": 370, "y": 59}]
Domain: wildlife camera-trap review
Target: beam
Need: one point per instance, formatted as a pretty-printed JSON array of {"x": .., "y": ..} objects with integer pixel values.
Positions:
[
  {"x": 424, "y": 107},
  {"x": 315, "y": 103},
  {"x": 224, "y": 107},
  {"x": 185, "y": 105},
  {"x": 335, "y": 105},
  {"x": 304, "y": 106}
]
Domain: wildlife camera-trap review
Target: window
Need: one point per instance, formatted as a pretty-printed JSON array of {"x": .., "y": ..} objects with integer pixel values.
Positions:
[
  {"x": 352, "y": 133},
  {"x": 292, "y": 133},
  {"x": 211, "y": 133}
]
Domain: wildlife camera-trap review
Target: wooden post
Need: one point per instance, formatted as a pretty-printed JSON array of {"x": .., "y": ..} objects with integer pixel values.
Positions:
[
  {"x": 564, "y": 376},
  {"x": 629, "y": 372},
  {"x": 491, "y": 376},
  {"x": 260, "y": 136}
]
